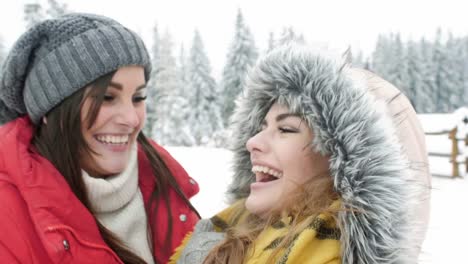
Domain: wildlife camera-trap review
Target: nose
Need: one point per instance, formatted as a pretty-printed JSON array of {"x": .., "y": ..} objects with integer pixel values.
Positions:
[
  {"x": 128, "y": 115},
  {"x": 257, "y": 143}
]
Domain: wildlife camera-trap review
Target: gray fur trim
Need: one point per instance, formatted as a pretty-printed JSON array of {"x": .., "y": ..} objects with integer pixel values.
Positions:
[{"x": 369, "y": 170}]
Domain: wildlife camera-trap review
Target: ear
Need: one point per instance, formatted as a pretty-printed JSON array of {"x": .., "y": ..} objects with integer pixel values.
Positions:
[{"x": 44, "y": 120}]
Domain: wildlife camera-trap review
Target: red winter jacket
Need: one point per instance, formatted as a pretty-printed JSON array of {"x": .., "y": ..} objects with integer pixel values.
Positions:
[{"x": 42, "y": 221}]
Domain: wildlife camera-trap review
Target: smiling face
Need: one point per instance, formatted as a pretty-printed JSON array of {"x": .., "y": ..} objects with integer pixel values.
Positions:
[
  {"x": 282, "y": 160},
  {"x": 119, "y": 120}
]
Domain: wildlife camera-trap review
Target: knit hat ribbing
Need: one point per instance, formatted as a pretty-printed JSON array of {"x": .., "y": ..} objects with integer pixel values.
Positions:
[{"x": 57, "y": 57}]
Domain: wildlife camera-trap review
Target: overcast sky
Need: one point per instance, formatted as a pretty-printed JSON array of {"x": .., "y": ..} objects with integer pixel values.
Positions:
[{"x": 337, "y": 23}]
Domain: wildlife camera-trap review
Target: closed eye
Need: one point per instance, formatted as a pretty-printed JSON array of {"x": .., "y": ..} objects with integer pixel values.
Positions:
[
  {"x": 139, "y": 99},
  {"x": 287, "y": 130},
  {"x": 108, "y": 98}
]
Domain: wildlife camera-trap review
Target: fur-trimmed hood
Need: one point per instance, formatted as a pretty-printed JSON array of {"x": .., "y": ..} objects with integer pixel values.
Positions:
[{"x": 352, "y": 124}]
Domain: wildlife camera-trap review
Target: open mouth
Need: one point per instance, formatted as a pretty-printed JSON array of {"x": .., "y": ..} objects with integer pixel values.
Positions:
[
  {"x": 112, "y": 139},
  {"x": 265, "y": 174}
]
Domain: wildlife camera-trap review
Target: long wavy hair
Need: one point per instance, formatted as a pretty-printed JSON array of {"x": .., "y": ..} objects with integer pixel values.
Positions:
[
  {"x": 311, "y": 199},
  {"x": 60, "y": 141}
]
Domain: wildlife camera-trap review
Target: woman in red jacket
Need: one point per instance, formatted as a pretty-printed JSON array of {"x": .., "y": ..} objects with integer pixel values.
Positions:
[{"x": 79, "y": 181}]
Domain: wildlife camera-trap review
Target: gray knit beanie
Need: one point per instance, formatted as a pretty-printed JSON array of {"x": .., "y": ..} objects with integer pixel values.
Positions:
[{"x": 57, "y": 57}]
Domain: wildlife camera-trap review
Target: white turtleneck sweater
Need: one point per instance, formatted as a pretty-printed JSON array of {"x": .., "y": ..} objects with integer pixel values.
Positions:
[{"x": 118, "y": 205}]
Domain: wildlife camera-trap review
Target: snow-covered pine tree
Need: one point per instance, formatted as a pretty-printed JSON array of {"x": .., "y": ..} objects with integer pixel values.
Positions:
[
  {"x": 397, "y": 71},
  {"x": 434, "y": 76},
  {"x": 464, "y": 52},
  {"x": 380, "y": 56},
  {"x": 182, "y": 70},
  {"x": 357, "y": 59},
  {"x": 456, "y": 61},
  {"x": 289, "y": 35},
  {"x": 2, "y": 52},
  {"x": 56, "y": 8},
  {"x": 427, "y": 68},
  {"x": 241, "y": 56},
  {"x": 152, "y": 85},
  {"x": 33, "y": 13},
  {"x": 170, "y": 104},
  {"x": 417, "y": 92},
  {"x": 181, "y": 107},
  {"x": 271, "y": 41},
  {"x": 443, "y": 78},
  {"x": 367, "y": 64},
  {"x": 204, "y": 116}
]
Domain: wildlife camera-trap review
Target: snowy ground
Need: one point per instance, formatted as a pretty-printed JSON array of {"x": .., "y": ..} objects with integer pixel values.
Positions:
[{"x": 448, "y": 228}]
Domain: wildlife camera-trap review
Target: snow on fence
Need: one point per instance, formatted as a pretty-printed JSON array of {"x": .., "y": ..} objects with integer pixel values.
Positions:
[{"x": 447, "y": 142}]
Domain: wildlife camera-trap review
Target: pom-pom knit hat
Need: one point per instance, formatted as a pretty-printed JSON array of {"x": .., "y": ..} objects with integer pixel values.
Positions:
[{"x": 57, "y": 57}]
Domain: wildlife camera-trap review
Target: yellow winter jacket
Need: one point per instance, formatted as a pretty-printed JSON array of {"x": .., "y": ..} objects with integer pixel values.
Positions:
[{"x": 317, "y": 244}]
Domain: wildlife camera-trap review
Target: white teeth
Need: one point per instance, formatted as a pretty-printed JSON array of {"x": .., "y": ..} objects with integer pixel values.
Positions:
[
  {"x": 267, "y": 170},
  {"x": 113, "y": 139}
]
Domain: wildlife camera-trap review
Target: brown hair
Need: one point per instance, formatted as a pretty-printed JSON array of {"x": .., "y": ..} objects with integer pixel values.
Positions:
[
  {"x": 311, "y": 199},
  {"x": 60, "y": 133}
]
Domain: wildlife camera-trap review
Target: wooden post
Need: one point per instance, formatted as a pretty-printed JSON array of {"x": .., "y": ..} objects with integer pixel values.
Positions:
[
  {"x": 465, "y": 121},
  {"x": 454, "y": 154},
  {"x": 466, "y": 154}
]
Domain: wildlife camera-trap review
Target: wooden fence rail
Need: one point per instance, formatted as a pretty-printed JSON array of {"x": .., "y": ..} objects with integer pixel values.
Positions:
[{"x": 455, "y": 150}]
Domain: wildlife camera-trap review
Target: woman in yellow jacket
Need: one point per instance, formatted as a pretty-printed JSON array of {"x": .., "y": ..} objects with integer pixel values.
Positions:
[{"x": 329, "y": 167}]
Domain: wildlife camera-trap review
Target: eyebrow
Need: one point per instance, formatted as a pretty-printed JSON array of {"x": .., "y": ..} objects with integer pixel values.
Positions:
[
  {"x": 120, "y": 87},
  {"x": 286, "y": 115}
]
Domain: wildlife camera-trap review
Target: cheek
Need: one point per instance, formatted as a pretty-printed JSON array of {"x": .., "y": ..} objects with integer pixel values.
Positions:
[
  {"x": 290, "y": 157},
  {"x": 307, "y": 170},
  {"x": 315, "y": 166},
  {"x": 141, "y": 112},
  {"x": 105, "y": 115},
  {"x": 83, "y": 114},
  {"x": 299, "y": 167}
]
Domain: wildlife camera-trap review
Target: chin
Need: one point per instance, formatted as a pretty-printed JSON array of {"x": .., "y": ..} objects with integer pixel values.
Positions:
[
  {"x": 255, "y": 208},
  {"x": 112, "y": 169}
]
